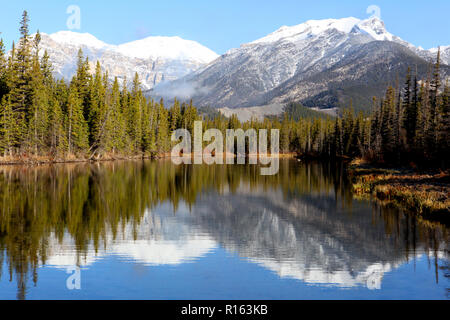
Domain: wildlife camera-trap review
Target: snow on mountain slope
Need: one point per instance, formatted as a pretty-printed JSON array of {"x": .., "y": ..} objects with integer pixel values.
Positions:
[
  {"x": 155, "y": 59},
  {"x": 309, "y": 29},
  {"x": 243, "y": 76},
  {"x": 173, "y": 48},
  {"x": 374, "y": 27},
  {"x": 78, "y": 39},
  {"x": 445, "y": 53}
]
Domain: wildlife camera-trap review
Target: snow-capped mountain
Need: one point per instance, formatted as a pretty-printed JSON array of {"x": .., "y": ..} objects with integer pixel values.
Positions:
[
  {"x": 295, "y": 63},
  {"x": 155, "y": 59}
]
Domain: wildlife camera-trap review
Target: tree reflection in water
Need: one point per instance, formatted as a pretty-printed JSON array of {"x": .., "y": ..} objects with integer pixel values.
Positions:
[{"x": 285, "y": 222}]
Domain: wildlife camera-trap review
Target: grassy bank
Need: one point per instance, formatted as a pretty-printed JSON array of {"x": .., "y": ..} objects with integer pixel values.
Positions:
[
  {"x": 38, "y": 160},
  {"x": 73, "y": 158},
  {"x": 427, "y": 194}
]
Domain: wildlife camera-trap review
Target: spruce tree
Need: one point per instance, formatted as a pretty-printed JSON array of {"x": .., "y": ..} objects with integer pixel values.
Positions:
[
  {"x": 57, "y": 137},
  {"x": 3, "y": 71},
  {"x": 77, "y": 127},
  {"x": 162, "y": 137},
  {"x": 134, "y": 116},
  {"x": 285, "y": 134},
  {"x": 98, "y": 111},
  {"x": 410, "y": 105},
  {"x": 175, "y": 115},
  {"x": 431, "y": 127},
  {"x": 38, "y": 116},
  {"x": 388, "y": 125},
  {"x": 115, "y": 125},
  {"x": 8, "y": 127},
  {"x": 19, "y": 81},
  {"x": 443, "y": 134}
]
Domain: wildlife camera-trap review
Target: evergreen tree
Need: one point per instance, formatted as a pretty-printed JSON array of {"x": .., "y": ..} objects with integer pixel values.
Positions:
[
  {"x": 162, "y": 137},
  {"x": 285, "y": 134},
  {"x": 410, "y": 107},
  {"x": 19, "y": 81},
  {"x": 77, "y": 127},
  {"x": 175, "y": 115},
  {"x": 134, "y": 116},
  {"x": 431, "y": 127},
  {"x": 3, "y": 71},
  {"x": 115, "y": 124},
  {"x": 38, "y": 116},
  {"x": 8, "y": 127},
  {"x": 98, "y": 111},
  {"x": 56, "y": 131},
  {"x": 388, "y": 125},
  {"x": 444, "y": 128},
  {"x": 82, "y": 82}
]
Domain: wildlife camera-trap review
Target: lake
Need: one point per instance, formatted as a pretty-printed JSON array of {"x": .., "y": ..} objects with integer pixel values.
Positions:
[{"x": 153, "y": 230}]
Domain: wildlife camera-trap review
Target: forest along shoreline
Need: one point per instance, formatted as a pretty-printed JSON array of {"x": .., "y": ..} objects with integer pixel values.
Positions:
[{"x": 425, "y": 193}]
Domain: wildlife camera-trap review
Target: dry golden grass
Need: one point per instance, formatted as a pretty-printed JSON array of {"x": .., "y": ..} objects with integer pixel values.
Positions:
[{"x": 421, "y": 193}]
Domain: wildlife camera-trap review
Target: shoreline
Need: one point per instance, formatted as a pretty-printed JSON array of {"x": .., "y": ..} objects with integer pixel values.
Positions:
[
  {"x": 426, "y": 194},
  {"x": 43, "y": 160}
]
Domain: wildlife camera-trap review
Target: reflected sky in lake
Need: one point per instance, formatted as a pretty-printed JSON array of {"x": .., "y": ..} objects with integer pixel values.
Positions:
[{"x": 152, "y": 230}]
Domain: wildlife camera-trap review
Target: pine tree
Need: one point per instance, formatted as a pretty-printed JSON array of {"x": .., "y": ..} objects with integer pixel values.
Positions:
[
  {"x": 77, "y": 128},
  {"x": 8, "y": 127},
  {"x": 431, "y": 127},
  {"x": 19, "y": 81},
  {"x": 410, "y": 105},
  {"x": 82, "y": 82},
  {"x": 38, "y": 116},
  {"x": 97, "y": 108},
  {"x": 3, "y": 71},
  {"x": 387, "y": 125},
  {"x": 57, "y": 136},
  {"x": 162, "y": 136},
  {"x": 46, "y": 69},
  {"x": 285, "y": 134},
  {"x": 338, "y": 143},
  {"x": 115, "y": 125},
  {"x": 149, "y": 128},
  {"x": 443, "y": 134},
  {"x": 134, "y": 116},
  {"x": 175, "y": 116},
  {"x": 421, "y": 119}
]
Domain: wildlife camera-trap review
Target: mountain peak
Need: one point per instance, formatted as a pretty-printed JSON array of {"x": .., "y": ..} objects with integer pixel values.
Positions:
[
  {"x": 155, "y": 59},
  {"x": 78, "y": 39},
  {"x": 308, "y": 29},
  {"x": 174, "y": 48},
  {"x": 154, "y": 47},
  {"x": 372, "y": 26}
]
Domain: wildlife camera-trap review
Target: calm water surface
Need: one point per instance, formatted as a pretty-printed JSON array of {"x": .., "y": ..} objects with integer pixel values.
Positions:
[{"x": 152, "y": 230}]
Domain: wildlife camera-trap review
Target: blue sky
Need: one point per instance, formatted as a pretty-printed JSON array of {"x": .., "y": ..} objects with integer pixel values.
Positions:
[{"x": 221, "y": 25}]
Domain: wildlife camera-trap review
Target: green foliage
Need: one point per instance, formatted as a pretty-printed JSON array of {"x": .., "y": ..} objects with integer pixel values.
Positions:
[
  {"x": 297, "y": 111},
  {"x": 77, "y": 127}
]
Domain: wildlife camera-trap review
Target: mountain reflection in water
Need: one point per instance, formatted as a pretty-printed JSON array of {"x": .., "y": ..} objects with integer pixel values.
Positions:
[{"x": 301, "y": 224}]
